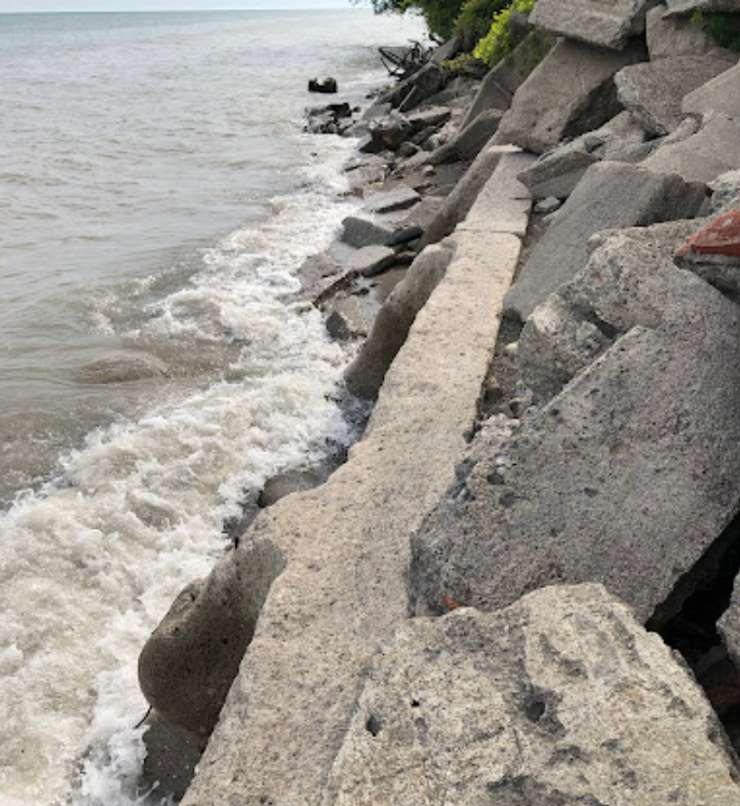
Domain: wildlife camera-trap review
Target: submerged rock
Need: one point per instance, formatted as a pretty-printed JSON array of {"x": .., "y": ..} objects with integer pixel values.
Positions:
[
  {"x": 323, "y": 85},
  {"x": 562, "y": 698}
]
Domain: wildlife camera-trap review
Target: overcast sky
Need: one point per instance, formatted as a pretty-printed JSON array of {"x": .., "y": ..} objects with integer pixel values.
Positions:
[{"x": 161, "y": 5}]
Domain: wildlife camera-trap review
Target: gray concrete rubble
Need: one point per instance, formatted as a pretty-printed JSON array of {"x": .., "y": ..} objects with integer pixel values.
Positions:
[
  {"x": 702, "y": 157},
  {"x": 359, "y": 232},
  {"x": 611, "y": 194},
  {"x": 503, "y": 80},
  {"x": 653, "y": 91},
  {"x": 341, "y": 594},
  {"x": 468, "y": 142},
  {"x": 608, "y": 25},
  {"x": 547, "y": 702},
  {"x": 389, "y": 201},
  {"x": 570, "y": 92},
  {"x": 558, "y": 171},
  {"x": 719, "y": 95},
  {"x": 628, "y": 477},
  {"x": 682, "y": 7},
  {"x": 502, "y": 206},
  {"x": 668, "y": 37},
  {"x": 370, "y": 260},
  {"x": 725, "y": 192}
]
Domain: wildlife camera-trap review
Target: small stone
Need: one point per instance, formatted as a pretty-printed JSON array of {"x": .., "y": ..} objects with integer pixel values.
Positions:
[
  {"x": 548, "y": 205},
  {"x": 326, "y": 85}
]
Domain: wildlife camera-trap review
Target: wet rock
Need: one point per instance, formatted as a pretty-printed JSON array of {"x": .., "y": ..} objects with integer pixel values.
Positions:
[
  {"x": 121, "y": 367},
  {"x": 654, "y": 91},
  {"x": 293, "y": 481},
  {"x": 570, "y": 92},
  {"x": 323, "y": 85},
  {"x": 429, "y": 117},
  {"x": 466, "y": 145},
  {"x": 370, "y": 260},
  {"x": 389, "y": 201},
  {"x": 668, "y": 37},
  {"x": 611, "y": 194},
  {"x": 328, "y": 119},
  {"x": 592, "y": 21},
  {"x": 171, "y": 755},
  {"x": 412, "y": 91},
  {"x": 188, "y": 664},
  {"x": 702, "y": 157},
  {"x": 386, "y": 133},
  {"x": 547, "y": 702},
  {"x": 619, "y": 479},
  {"x": 365, "y": 375},
  {"x": 359, "y": 232}
]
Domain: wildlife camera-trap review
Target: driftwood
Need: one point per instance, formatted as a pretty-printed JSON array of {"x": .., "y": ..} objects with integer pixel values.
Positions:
[{"x": 402, "y": 62}]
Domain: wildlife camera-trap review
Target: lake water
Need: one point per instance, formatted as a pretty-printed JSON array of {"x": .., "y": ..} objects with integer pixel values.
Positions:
[{"x": 157, "y": 196}]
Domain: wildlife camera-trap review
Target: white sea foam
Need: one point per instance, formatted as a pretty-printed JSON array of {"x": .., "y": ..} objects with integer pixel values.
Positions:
[{"x": 92, "y": 561}]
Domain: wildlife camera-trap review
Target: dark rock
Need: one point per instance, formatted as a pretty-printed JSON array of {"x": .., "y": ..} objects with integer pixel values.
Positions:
[
  {"x": 323, "y": 85},
  {"x": 359, "y": 232},
  {"x": 294, "y": 481},
  {"x": 171, "y": 755},
  {"x": 668, "y": 37},
  {"x": 610, "y": 195},
  {"x": 410, "y": 92},
  {"x": 466, "y": 145}
]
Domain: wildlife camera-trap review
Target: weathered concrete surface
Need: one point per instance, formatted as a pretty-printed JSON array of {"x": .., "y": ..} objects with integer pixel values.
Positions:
[
  {"x": 359, "y": 232},
  {"x": 654, "y": 91},
  {"x": 713, "y": 150},
  {"x": 718, "y": 95},
  {"x": 609, "y": 25},
  {"x": 688, "y": 6},
  {"x": 561, "y": 699},
  {"x": 557, "y": 172},
  {"x": 610, "y": 195},
  {"x": 626, "y": 284},
  {"x": 626, "y": 478},
  {"x": 457, "y": 205},
  {"x": 504, "y": 79},
  {"x": 570, "y": 92},
  {"x": 342, "y": 593},
  {"x": 389, "y": 201},
  {"x": 466, "y": 145},
  {"x": 726, "y": 192},
  {"x": 501, "y": 207},
  {"x": 370, "y": 260},
  {"x": 668, "y": 37}
]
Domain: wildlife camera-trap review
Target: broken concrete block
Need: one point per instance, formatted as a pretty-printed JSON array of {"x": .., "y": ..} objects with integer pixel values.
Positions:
[
  {"x": 713, "y": 150},
  {"x": 624, "y": 285},
  {"x": 545, "y": 703},
  {"x": 608, "y": 25},
  {"x": 653, "y": 91},
  {"x": 668, "y": 37},
  {"x": 725, "y": 192},
  {"x": 359, "y": 232},
  {"x": 558, "y": 171},
  {"x": 410, "y": 92},
  {"x": 504, "y": 79},
  {"x": 678, "y": 7},
  {"x": 719, "y": 95},
  {"x": 388, "y": 201},
  {"x": 713, "y": 253},
  {"x": 610, "y": 195},
  {"x": 466, "y": 145},
  {"x": 570, "y": 92},
  {"x": 370, "y": 260},
  {"x": 627, "y": 477}
]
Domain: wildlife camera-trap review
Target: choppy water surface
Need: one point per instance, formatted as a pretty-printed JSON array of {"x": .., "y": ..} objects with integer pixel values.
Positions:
[{"x": 156, "y": 198}]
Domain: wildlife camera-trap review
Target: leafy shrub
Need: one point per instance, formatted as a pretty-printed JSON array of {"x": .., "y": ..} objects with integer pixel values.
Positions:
[
  {"x": 496, "y": 44},
  {"x": 474, "y": 20},
  {"x": 723, "y": 28},
  {"x": 440, "y": 15}
]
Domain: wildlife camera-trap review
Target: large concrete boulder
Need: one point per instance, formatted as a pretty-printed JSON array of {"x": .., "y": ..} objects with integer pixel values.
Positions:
[
  {"x": 557, "y": 172},
  {"x": 702, "y": 157},
  {"x": 570, "y": 92},
  {"x": 423, "y": 84},
  {"x": 682, "y": 7},
  {"x": 187, "y": 665},
  {"x": 609, "y": 25},
  {"x": 654, "y": 91},
  {"x": 668, "y": 37},
  {"x": 628, "y": 477},
  {"x": 719, "y": 95},
  {"x": 504, "y": 79},
  {"x": 561, "y": 699},
  {"x": 625, "y": 284},
  {"x": 610, "y": 195}
]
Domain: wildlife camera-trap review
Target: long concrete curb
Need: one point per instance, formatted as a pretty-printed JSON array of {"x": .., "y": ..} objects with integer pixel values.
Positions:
[{"x": 346, "y": 544}]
